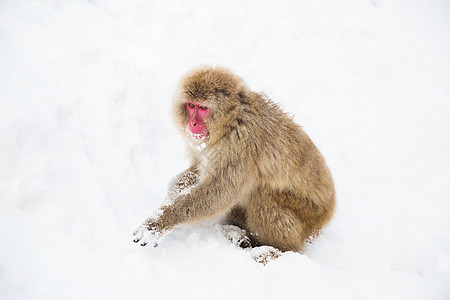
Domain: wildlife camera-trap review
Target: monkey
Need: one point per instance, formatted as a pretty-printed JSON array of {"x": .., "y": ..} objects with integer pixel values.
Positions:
[{"x": 251, "y": 164}]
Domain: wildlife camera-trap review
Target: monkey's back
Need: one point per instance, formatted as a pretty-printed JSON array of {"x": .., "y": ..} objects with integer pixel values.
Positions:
[{"x": 290, "y": 164}]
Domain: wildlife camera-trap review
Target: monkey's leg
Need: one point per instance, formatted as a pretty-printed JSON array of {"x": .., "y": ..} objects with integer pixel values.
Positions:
[
  {"x": 236, "y": 227},
  {"x": 271, "y": 222},
  {"x": 237, "y": 216}
]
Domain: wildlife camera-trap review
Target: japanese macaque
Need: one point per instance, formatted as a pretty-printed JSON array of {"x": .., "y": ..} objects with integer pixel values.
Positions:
[{"x": 250, "y": 163}]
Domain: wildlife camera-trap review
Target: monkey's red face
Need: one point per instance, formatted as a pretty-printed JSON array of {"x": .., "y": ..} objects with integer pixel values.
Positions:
[{"x": 197, "y": 114}]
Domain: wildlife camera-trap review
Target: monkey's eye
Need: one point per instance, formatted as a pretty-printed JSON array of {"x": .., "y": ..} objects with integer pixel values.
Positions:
[
  {"x": 191, "y": 105},
  {"x": 203, "y": 107}
]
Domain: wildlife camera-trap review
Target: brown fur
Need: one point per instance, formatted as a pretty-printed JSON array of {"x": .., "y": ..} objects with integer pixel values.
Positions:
[{"x": 259, "y": 167}]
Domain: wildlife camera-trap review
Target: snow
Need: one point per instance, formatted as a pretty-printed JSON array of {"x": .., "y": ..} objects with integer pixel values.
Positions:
[{"x": 87, "y": 145}]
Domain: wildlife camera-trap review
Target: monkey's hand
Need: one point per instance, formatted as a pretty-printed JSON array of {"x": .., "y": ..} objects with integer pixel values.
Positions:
[
  {"x": 182, "y": 183},
  {"x": 149, "y": 232}
]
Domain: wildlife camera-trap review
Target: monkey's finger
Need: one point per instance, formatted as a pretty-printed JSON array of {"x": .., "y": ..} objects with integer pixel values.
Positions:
[
  {"x": 145, "y": 244},
  {"x": 139, "y": 234},
  {"x": 138, "y": 237}
]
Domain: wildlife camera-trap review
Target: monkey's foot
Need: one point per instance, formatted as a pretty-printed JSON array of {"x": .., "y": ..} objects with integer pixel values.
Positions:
[
  {"x": 148, "y": 233},
  {"x": 264, "y": 254},
  {"x": 236, "y": 236}
]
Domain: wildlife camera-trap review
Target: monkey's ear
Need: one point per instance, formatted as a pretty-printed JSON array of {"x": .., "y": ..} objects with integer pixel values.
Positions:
[
  {"x": 179, "y": 113},
  {"x": 182, "y": 109},
  {"x": 242, "y": 96}
]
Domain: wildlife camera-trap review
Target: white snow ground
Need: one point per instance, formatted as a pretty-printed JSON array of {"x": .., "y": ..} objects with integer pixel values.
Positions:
[{"x": 87, "y": 146}]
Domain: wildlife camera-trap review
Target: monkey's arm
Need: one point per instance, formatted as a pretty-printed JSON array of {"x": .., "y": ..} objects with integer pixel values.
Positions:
[
  {"x": 205, "y": 201},
  {"x": 218, "y": 193}
]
